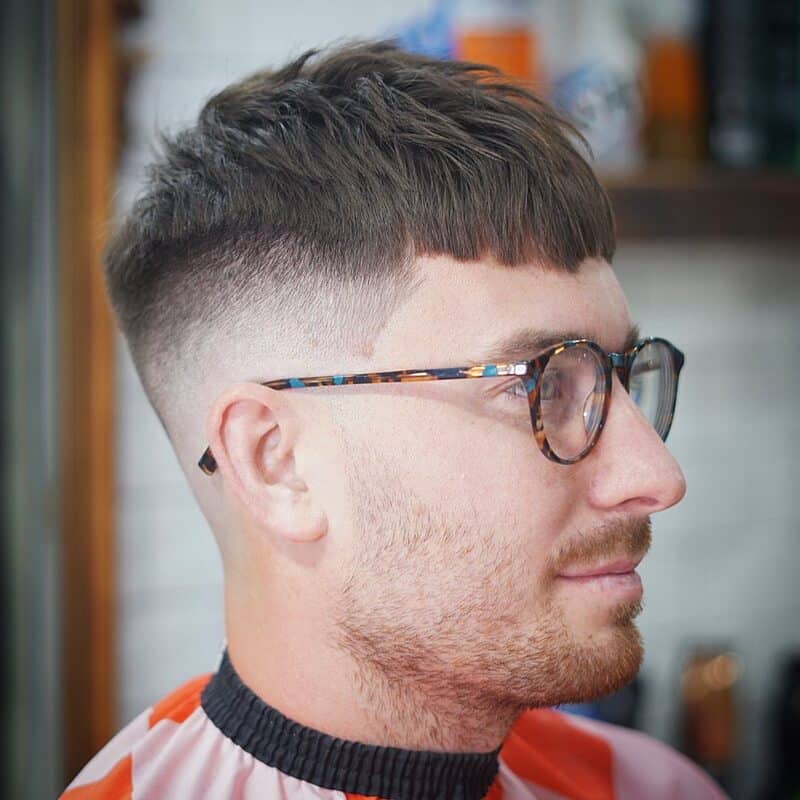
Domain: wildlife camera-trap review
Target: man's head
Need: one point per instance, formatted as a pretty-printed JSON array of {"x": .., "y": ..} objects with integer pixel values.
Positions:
[{"x": 366, "y": 210}]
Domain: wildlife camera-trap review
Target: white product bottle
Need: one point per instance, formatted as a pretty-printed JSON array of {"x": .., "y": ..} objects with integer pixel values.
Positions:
[{"x": 593, "y": 64}]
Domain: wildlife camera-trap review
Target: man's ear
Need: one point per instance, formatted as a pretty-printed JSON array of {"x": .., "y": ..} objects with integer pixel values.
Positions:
[{"x": 252, "y": 432}]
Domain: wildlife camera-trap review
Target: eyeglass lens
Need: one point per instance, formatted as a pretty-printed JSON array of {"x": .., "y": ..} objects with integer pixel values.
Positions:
[
  {"x": 572, "y": 395},
  {"x": 652, "y": 385}
]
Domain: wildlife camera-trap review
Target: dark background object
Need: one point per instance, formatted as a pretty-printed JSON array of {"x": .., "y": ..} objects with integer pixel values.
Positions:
[
  {"x": 705, "y": 202},
  {"x": 782, "y": 781},
  {"x": 779, "y": 59},
  {"x": 731, "y": 49}
]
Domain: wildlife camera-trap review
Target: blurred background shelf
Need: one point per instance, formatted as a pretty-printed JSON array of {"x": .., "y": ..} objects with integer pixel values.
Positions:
[{"x": 705, "y": 202}]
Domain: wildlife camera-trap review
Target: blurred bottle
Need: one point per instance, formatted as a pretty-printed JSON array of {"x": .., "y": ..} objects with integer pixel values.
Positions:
[
  {"x": 783, "y": 772},
  {"x": 730, "y": 45},
  {"x": 593, "y": 64},
  {"x": 709, "y": 711},
  {"x": 672, "y": 77},
  {"x": 779, "y": 24},
  {"x": 501, "y": 33}
]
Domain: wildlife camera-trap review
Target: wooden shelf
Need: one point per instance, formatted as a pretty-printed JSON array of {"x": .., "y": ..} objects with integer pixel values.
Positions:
[{"x": 695, "y": 203}]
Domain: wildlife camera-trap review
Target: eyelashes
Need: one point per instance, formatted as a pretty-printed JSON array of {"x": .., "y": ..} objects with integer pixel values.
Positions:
[{"x": 515, "y": 390}]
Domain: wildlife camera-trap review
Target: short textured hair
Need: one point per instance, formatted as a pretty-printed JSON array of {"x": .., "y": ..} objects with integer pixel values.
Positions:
[{"x": 331, "y": 175}]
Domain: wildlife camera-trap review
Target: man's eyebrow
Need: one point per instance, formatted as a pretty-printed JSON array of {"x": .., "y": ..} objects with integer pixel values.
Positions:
[{"x": 528, "y": 342}]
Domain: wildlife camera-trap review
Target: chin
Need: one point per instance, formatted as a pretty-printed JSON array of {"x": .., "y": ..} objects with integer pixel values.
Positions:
[
  {"x": 581, "y": 661},
  {"x": 605, "y": 657},
  {"x": 609, "y": 662}
]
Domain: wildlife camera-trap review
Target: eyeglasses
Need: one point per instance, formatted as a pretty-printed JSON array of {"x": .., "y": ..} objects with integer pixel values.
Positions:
[{"x": 568, "y": 388}]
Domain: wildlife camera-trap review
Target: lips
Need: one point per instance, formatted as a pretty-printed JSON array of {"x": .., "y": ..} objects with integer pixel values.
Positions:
[{"x": 619, "y": 566}]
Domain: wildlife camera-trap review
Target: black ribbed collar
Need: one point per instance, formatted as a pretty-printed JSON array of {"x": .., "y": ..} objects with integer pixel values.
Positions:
[{"x": 386, "y": 772}]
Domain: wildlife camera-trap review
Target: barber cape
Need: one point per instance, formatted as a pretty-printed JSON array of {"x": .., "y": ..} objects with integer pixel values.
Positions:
[{"x": 214, "y": 738}]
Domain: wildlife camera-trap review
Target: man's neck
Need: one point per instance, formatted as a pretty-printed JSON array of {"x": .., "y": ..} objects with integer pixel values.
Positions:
[
  {"x": 293, "y": 668},
  {"x": 263, "y": 733}
]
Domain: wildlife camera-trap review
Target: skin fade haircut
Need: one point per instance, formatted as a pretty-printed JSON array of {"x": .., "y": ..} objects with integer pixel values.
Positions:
[{"x": 326, "y": 179}]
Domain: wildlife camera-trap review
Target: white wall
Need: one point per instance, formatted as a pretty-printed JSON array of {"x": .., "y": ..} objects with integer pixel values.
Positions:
[{"x": 722, "y": 563}]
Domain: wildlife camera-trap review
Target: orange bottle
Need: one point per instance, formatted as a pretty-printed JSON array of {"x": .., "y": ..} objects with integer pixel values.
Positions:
[
  {"x": 673, "y": 91},
  {"x": 500, "y": 34}
]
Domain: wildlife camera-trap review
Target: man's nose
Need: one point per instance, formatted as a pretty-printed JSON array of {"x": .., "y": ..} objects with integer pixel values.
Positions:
[{"x": 632, "y": 470}]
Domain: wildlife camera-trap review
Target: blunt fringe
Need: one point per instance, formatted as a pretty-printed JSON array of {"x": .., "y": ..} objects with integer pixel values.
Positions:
[{"x": 332, "y": 171}]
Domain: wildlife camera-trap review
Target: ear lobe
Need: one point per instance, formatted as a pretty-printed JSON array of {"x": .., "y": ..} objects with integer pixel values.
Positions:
[
  {"x": 252, "y": 433},
  {"x": 295, "y": 518}
]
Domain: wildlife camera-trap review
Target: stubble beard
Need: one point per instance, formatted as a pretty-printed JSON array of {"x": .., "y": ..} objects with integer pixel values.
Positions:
[{"x": 430, "y": 616}]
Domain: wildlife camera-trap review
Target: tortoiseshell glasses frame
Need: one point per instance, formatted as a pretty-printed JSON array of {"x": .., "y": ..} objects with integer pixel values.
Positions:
[{"x": 530, "y": 372}]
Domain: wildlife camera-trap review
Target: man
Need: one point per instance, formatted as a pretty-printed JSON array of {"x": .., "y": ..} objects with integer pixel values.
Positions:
[{"x": 378, "y": 288}]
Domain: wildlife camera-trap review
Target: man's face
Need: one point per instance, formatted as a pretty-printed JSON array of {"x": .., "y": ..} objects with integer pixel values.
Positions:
[{"x": 451, "y": 578}]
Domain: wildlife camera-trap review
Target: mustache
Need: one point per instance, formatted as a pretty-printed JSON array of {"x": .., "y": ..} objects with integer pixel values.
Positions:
[{"x": 630, "y": 538}]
